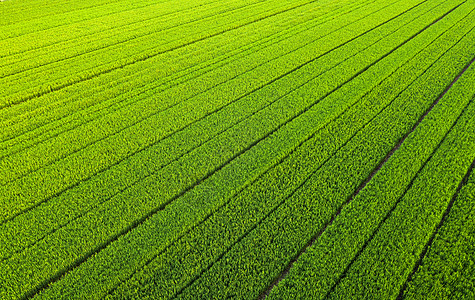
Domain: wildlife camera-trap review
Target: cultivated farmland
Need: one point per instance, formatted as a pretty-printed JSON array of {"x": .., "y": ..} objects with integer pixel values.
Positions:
[{"x": 244, "y": 149}]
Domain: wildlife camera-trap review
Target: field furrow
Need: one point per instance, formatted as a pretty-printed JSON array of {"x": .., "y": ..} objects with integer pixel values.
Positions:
[
  {"x": 275, "y": 238},
  {"x": 247, "y": 149},
  {"x": 130, "y": 137},
  {"x": 131, "y": 94},
  {"x": 450, "y": 251}
]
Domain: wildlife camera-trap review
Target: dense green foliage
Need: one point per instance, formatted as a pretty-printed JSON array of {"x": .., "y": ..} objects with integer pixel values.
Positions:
[
  {"x": 241, "y": 148},
  {"x": 447, "y": 269}
]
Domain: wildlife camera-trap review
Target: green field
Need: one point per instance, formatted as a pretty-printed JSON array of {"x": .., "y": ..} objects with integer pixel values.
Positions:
[{"x": 242, "y": 149}]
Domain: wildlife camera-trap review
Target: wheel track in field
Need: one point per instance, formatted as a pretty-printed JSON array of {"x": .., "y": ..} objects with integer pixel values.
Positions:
[
  {"x": 314, "y": 239},
  {"x": 86, "y": 20},
  {"x": 57, "y": 160},
  {"x": 287, "y": 269},
  {"x": 274, "y": 209},
  {"x": 193, "y": 149},
  {"x": 135, "y": 224},
  {"x": 103, "y": 47},
  {"x": 141, "y": 58},
  {"x": 77, "y": 183},
  {"x": 332, "y": 289},
  {"x": 435, "y": 232},
  {"x": 148, "y": 89}
]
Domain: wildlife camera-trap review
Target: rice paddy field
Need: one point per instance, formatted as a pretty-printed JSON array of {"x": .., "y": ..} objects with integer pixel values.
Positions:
[{"x": 241, "y": 149}]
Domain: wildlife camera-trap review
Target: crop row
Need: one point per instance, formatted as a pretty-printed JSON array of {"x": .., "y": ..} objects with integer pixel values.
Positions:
[
  {"x": 20, "y": 233},
  {"x": 326, "y": 261},
  {"x": 20, "y": 12},
  {"x": 142, "y": 95},
  {"x": 90, "y": 65},
  {"x": 389, "y": 257},
  {"x": 185, "y": 259},
  {"x": 52, "y": 25},
  {"x": 144, "y": 166},
  {"x": 275, "y": 241},
  {"x": 104, "y": 151},
  {"x": 136, "y": 43},
  {"x": 205, "y": 195},
  {"x": 173, "y": 96},
  {"x": 169, "y": 63},
  {"x": 154, "y": 21},
  {"x": 262, "y": 152},
  {"x": 261, "y": 99},
  {"x": 92, "y": 101},
  {"x": 448, "y": 267}
]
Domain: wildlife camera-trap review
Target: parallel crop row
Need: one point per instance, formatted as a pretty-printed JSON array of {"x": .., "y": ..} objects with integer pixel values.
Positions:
[
  {"x": 179, "y": 60},
  {"x": 243, "y": 111},
  {"x": 21, "y": 12},
  {"x": 48, "y": 180},
  {"x": 177, "y": 265},
  {"x": 266, "y": 149},
  {"x": 273, "y": 243},
  {"x": 154, "y": 21},
  {"x": 95, "y": 220},
  {"x": 168, "y": 65},
  {"x": 319, "y": 268},
  {"x": 182, "y": 213},
  {"x": 40, "y": 33},
  {"x": 150, "y": 161},
  {"x": 399, "y": 241},
  {"x": 90, "y": 65},
  {"x": 54, "y": 115},
  {"x": 447, "y": 269}
]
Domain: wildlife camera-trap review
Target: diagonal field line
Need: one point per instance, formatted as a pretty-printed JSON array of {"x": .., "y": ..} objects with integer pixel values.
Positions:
[
  {"x": 58, "y": 276},
  {"x": 127, "y": 187},
  {"x": 147, "y": 89},
  {"x": 182, "y": 155},
  {"x": 153, "y": 257},
  {"x": 61, "y": 13},
  {"x": 143, "y": 58},
  {"x": 86, "y": 20},
  {"x": 413, "y": 179},
  {"x": 199, "y": 119},
  {"x": 102, "y": 47},
  {"x": 357, "y": 191},
  {"x": 161, "y": 86},
  {"x": 79, "y": 262},
  {"x": 434, "y": 234},
  {"x": 7, "y": 220},
  {"x": 278, "y": 163},
  {"x": 122, "y": 190}
]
